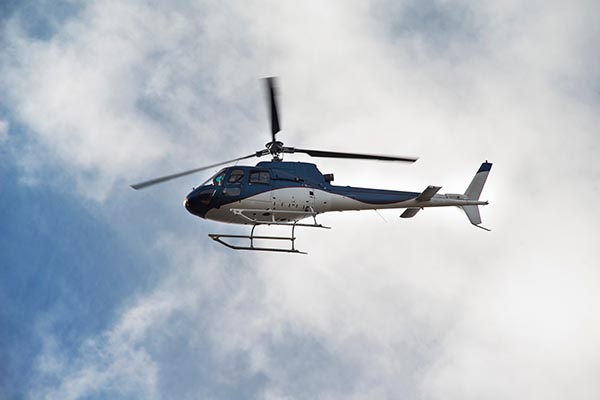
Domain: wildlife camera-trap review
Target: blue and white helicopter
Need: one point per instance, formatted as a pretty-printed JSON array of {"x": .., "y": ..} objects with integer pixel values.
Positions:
[{"x": 285, "y": 193}]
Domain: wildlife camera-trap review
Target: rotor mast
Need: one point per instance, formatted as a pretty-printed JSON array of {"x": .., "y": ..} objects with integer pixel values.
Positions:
[{"x": 275, "y": 147}]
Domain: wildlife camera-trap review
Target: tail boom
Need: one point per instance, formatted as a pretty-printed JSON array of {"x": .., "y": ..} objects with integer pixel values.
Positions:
[{"x": 469, "y": 201}]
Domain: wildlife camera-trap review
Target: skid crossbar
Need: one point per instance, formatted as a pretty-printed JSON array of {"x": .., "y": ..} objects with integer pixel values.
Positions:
[
  {"x": 222, "y": 238},
  {"x": 218, "y": 238}
]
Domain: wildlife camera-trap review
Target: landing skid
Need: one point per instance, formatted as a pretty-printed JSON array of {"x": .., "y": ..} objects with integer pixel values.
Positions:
[{"x": 223, "y": 238}]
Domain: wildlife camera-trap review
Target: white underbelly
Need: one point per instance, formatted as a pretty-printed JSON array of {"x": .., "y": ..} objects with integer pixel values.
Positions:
[{"x": 281, "y": 205}]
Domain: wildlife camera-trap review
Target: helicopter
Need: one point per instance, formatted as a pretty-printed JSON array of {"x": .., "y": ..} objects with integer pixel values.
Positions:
[{"x": 287, "y": 193}]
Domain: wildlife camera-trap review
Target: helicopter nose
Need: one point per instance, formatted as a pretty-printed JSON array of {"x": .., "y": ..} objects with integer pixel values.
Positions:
[
  {"x": 191, "y": 203},
  {"x": 192, "y": 206},
  {"x": 198, "y": 202}
]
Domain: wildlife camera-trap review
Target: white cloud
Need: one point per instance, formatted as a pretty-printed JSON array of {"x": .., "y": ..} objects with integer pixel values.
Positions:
[
  {"x": 428, "y": 308},
  {"x": 116, "y": 91}
]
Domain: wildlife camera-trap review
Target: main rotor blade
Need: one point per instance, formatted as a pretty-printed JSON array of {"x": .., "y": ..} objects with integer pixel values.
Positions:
[
  {"x": 273, "y": 113},
  {"x": 335, "y": 154},
  {"x": 162, "y": 179}
]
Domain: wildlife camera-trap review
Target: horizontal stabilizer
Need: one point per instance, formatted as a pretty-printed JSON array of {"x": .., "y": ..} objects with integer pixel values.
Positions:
[
  {"x": 428, "y": 193},
  {"x": 410, "y": 212}
]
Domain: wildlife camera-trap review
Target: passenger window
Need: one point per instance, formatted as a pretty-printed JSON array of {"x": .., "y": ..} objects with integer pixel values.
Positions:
[
  {"x": 232, "y": 191},
  {"x": 260, "y": 177},
  {"x": 236, "y": 176}
]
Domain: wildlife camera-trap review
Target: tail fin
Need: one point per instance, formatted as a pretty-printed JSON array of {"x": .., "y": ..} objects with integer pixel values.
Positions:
[{"x": 474, "y": 191}]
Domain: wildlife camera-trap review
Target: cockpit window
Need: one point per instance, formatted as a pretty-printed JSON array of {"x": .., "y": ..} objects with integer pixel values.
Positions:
[
  {"x": 218, "y": 179},
  {"x": 236, "y": 176},
  {"x": 205, "y": 196},
  {"x": 260, "y": 177}
]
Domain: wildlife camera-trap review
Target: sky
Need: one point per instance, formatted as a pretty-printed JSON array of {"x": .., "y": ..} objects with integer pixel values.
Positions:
[{"x": 106, "y": 292}]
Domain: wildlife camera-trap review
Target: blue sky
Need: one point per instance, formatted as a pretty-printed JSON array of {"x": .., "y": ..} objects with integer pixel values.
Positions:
[
  {"x": 62, "y": 261},
  {"x": 108, "y": 292}
]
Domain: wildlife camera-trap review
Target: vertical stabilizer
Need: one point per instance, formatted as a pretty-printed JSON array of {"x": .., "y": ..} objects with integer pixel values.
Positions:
[
  {"x": 474, "y": 190},
  {"x": 473, "y": 214}
]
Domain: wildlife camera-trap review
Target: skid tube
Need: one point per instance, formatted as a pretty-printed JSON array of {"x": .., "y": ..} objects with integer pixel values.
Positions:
[{"x": 221, "y": 238}]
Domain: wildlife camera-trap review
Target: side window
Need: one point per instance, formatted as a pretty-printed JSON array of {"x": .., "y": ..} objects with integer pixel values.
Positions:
[
  {"x": 236, "y": 176},
  {"x": 232, "y": 191},
  {"x": 260, "y": 177}
]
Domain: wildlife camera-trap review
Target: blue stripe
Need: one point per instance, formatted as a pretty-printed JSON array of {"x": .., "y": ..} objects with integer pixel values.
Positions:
[
  {"x": 363, "y": 195},
  {"x": 373, "y": 196}
]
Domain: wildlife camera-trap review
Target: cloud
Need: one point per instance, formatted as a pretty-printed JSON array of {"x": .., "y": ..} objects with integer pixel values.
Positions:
[
  {"x": 114, "y": 91},
  {"x": 133, "y": 357},
  {"x": 427, "y": 308}
]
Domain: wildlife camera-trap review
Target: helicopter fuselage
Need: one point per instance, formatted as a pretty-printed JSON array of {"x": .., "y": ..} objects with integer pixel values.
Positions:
[{"x": 285, "y": 192}]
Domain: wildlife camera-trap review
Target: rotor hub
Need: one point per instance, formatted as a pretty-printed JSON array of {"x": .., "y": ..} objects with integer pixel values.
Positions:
[{"x": 275, "y": 148}]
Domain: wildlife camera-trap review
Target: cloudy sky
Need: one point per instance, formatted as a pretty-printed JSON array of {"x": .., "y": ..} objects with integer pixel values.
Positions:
[{"x": 110, "y": 293}]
